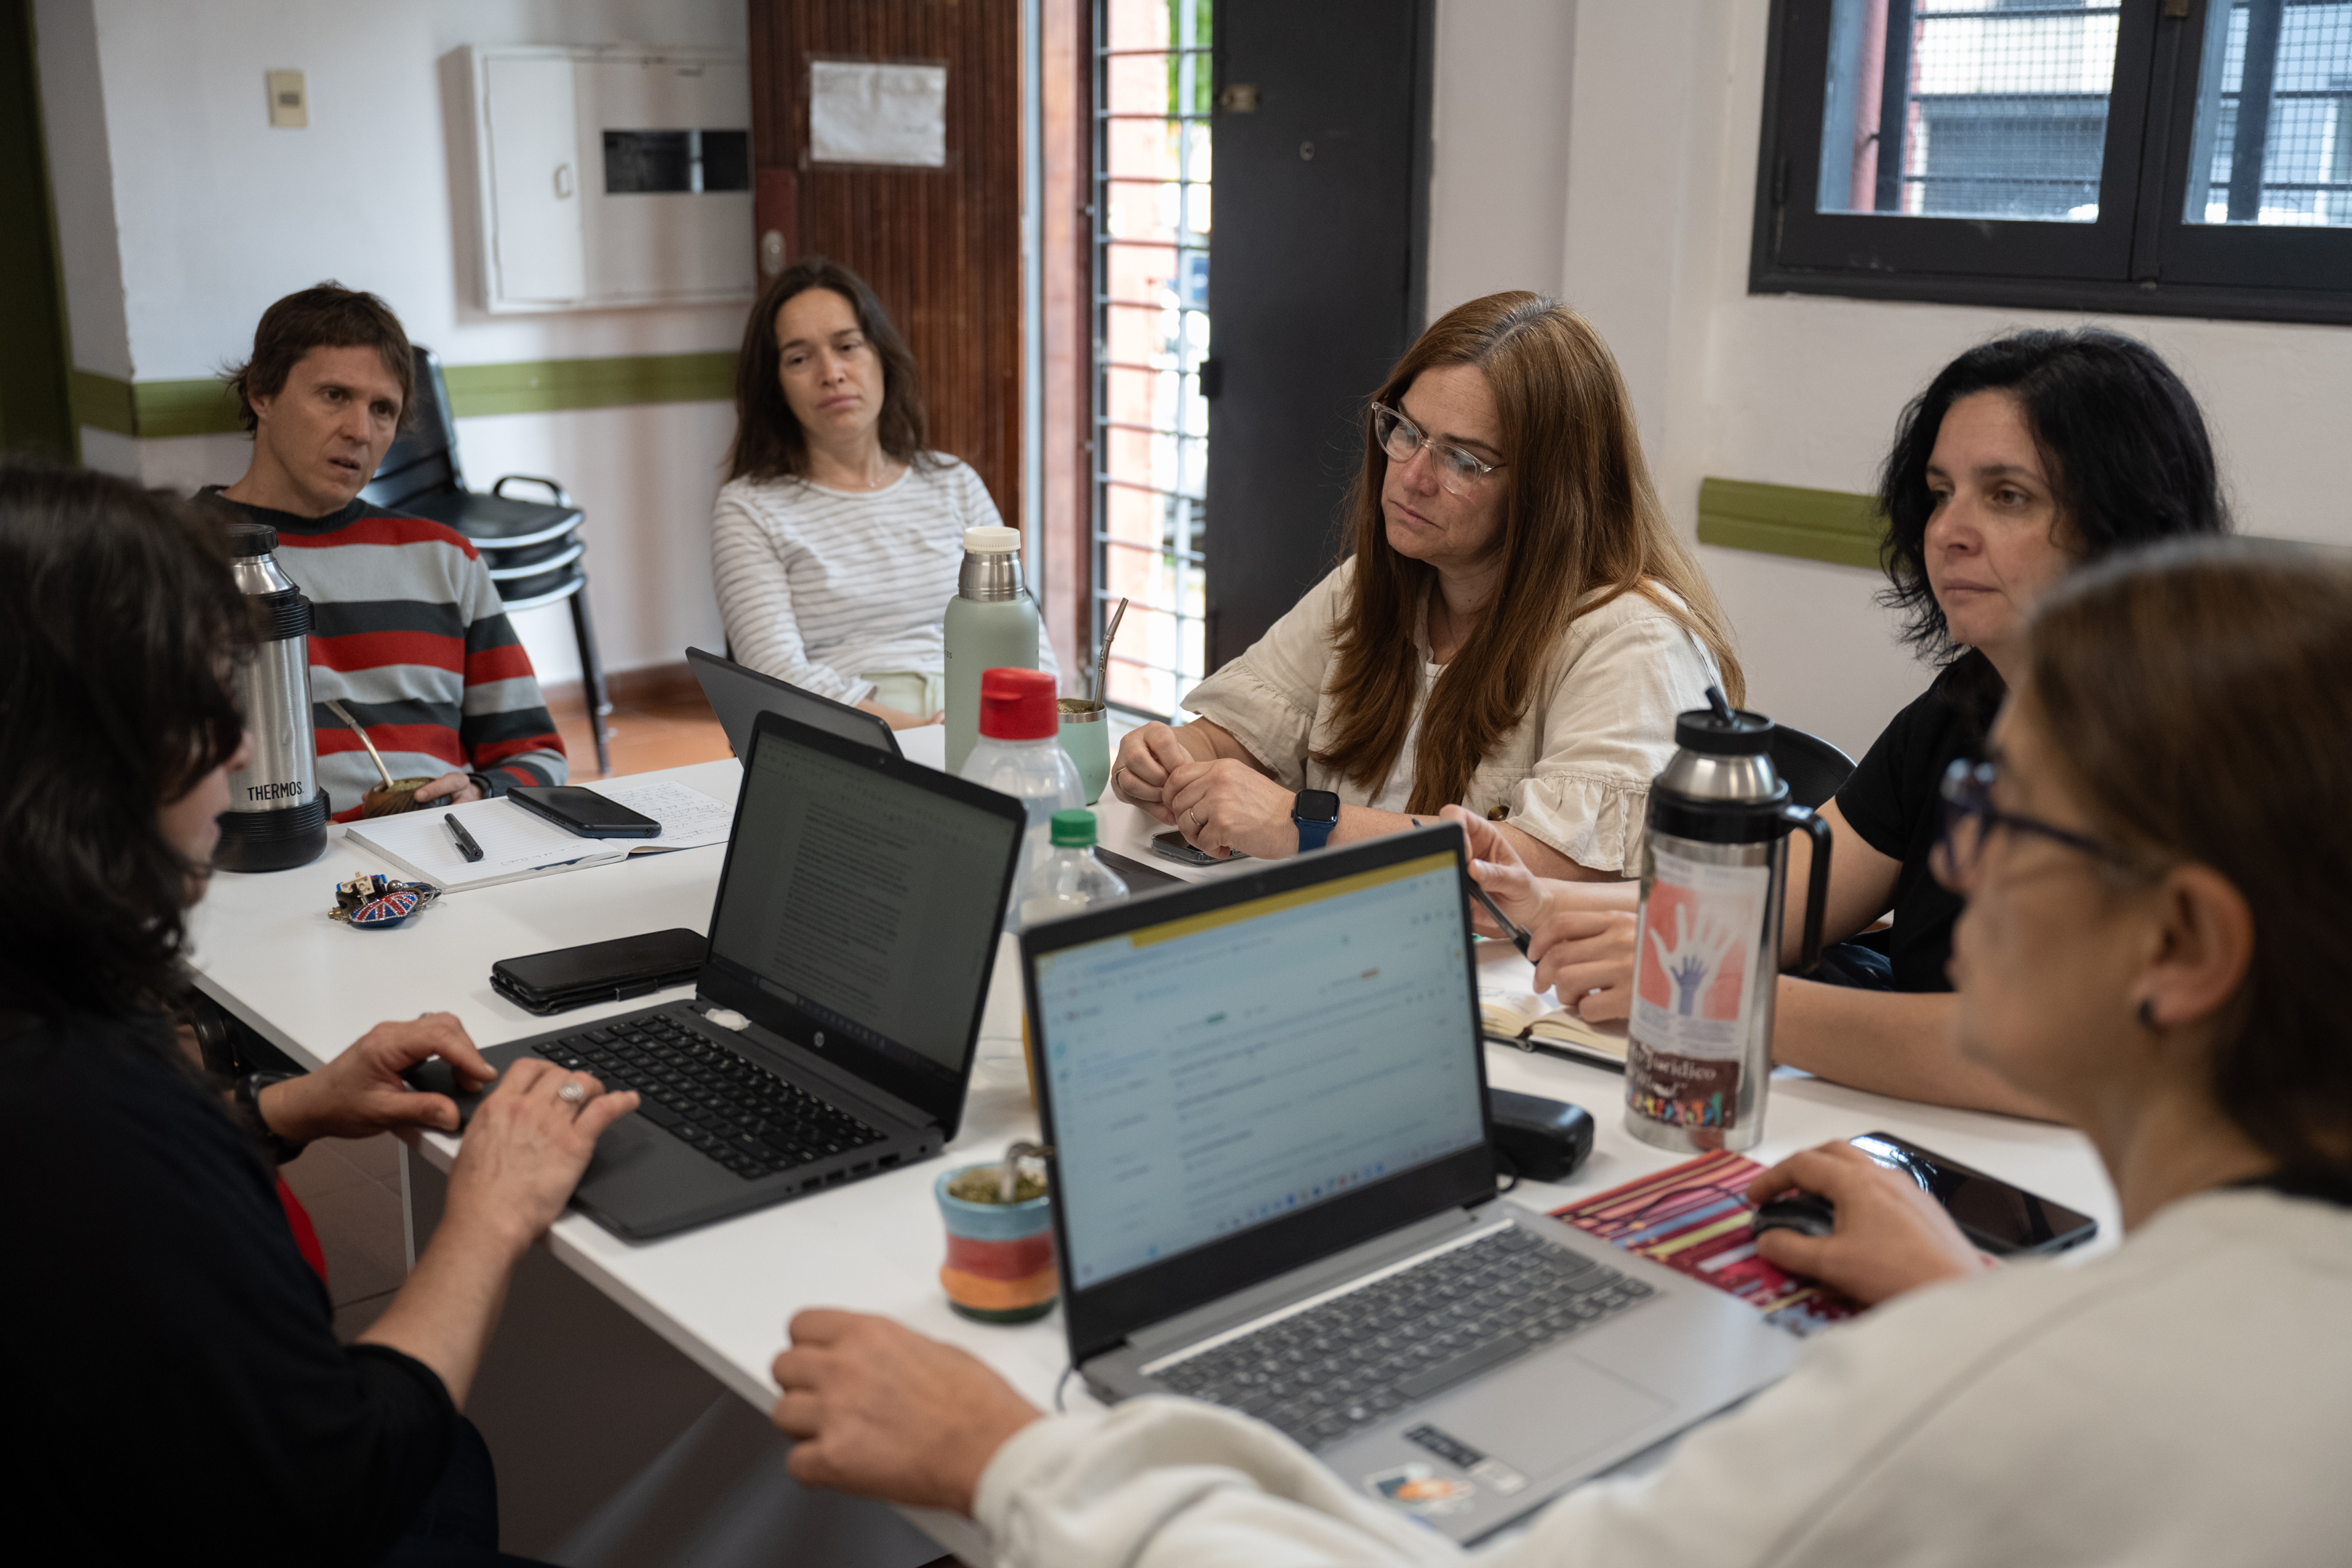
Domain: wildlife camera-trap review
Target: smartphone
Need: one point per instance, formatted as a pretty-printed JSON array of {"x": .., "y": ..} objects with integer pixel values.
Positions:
[
  {"x": 600, "y": 971},
  {"x": 1998, "y": 1218},
  {"x": 1171, "y": 846},
  {"x": 583, "y": 812}
]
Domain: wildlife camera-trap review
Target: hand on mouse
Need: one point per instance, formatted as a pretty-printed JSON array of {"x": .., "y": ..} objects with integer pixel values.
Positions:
[
  {"x": 1890, "y": 1235},
  {"x": 883, "y": 1412},
  {"x": 360, "y": 1093}
]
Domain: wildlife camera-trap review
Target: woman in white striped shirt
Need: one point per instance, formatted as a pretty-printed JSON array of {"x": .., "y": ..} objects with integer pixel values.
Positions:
[{"x": 836, "y": 539}]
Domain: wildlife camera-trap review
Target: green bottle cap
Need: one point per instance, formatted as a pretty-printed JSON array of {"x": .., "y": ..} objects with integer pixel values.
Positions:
[{"x": 1073, "y": 829}]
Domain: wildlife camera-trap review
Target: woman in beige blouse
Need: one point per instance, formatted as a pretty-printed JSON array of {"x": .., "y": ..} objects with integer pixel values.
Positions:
[{"x": 1514, "y": 630}]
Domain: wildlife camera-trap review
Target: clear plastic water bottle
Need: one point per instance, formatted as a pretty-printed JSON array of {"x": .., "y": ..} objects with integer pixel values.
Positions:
[
  {"x": 1069, "y": 879},
  {"x": 1019, "y": 754}
]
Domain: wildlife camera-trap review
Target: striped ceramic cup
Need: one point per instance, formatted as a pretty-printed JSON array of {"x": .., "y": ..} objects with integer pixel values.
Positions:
[{"x": 999, "y": 1266}]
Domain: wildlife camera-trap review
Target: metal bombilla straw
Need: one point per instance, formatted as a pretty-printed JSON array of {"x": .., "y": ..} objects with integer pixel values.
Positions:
[
  {"x": 1102, "y": 656},
  {"x": 334, "y": 705}
]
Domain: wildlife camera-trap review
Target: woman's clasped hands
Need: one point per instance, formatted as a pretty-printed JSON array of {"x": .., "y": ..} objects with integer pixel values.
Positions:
[{"x": 1221, "y": 803}]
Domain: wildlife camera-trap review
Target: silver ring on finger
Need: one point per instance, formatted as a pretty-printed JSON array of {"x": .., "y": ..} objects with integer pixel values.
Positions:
[{"x": 572, "y": 1093}]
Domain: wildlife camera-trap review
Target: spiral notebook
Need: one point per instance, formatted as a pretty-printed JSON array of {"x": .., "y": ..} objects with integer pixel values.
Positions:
[{"x": 517, "y": 844}]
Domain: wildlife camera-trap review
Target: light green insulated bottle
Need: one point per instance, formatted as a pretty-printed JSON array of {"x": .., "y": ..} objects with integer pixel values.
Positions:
[{"x": 992, "y": 624}]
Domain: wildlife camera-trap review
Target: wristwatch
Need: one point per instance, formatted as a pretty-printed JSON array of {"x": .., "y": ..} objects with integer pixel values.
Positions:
[
  {"x": 248, "y": 1099},
  {"x": 1316, "y": 812}
]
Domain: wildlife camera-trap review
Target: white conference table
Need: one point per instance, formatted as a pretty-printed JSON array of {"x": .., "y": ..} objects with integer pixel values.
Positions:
[{"x": 264, "y": 948}]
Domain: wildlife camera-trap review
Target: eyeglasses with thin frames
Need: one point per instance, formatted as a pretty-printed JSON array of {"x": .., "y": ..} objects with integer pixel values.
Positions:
[
  {"x": 1459, "y": 471},
  {"x": 1968, "y": 818}
]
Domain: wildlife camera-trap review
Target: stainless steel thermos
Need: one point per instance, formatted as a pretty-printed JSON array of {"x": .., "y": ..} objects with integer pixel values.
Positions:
[
  {"x": 992, "y": 624},
  {"x": 276, "y": 813},
  {"x": 1714, "y": 871}
]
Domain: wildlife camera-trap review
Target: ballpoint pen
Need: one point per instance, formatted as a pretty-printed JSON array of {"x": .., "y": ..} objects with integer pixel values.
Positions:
[
  {"x": 473, "y": 851},
  {"x": 1511, "y": 928}
]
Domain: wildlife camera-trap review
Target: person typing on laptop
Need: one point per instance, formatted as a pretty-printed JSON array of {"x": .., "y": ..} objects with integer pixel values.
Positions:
[{"x": 2153, "y": 930}]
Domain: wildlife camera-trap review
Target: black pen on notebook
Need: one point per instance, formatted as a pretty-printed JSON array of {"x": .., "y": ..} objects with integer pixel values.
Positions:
[
  {"x": 1511, "y": 928},
  {"x": 473, "y": 851}
]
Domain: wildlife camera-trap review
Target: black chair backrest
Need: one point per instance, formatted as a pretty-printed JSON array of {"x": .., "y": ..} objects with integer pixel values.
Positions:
[
  {"x": 1814, "y": 769},
  {"x": 424, "y": 457}
]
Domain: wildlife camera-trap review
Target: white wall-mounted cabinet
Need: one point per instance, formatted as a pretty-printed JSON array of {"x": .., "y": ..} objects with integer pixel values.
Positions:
[{"x": 612, "y": 176}]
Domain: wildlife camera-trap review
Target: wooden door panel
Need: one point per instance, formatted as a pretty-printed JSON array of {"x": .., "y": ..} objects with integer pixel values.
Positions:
[{"x": 941, "y": 247}]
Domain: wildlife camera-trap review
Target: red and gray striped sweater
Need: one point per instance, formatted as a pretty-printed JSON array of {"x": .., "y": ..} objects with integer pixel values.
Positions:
[{"x": 408, "y": 631}]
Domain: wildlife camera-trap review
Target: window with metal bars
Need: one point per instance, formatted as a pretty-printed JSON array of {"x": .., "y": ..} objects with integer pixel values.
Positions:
[
  {"x": 2165, "y": 156},
  {"x": 1150, "y": 215}
]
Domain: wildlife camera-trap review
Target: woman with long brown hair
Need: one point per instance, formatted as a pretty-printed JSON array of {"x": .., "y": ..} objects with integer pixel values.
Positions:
[
  {"x": 1514, "y": 629},
  {"x": 835, "y": 541}
]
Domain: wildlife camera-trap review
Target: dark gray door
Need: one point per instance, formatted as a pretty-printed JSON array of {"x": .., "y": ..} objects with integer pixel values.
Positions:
[{"x": 1322, "y": 188}]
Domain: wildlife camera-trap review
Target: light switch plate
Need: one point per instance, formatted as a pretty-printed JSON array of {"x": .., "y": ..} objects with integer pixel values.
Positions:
[{"x": 289, "y": 103}]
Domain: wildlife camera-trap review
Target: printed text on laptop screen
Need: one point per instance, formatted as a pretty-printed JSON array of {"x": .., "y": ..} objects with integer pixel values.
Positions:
[
  {"x": 1217, "y": 1071},
  {"x": 864, "y": 900}
]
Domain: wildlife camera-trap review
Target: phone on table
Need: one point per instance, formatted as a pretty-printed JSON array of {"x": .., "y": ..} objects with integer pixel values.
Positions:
[
  {"x": 1171, "y": 846},
  {"x": 611, "y": 971},
  {"x": 1996, "y": 1217},
  {"x": 583, "y": 812}
]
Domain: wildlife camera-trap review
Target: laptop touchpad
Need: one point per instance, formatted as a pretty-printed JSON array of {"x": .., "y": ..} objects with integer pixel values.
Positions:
[{"x": 1544, "y": 1413}]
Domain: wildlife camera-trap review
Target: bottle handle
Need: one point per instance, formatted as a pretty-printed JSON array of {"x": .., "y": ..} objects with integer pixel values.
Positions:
[{"x": 1817, "y": 885}]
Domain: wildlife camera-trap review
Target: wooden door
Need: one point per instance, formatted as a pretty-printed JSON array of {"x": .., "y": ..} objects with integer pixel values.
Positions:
[{"x": 941, "y": 246}]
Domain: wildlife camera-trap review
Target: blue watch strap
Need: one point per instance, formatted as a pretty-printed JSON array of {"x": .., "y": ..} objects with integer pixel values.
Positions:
[{"x": 1314, "y": 832}]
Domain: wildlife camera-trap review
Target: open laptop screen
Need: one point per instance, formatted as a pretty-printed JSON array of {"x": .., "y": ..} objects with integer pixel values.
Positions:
[
  {"x": 869, "y": 902},
  {"x": 1222, "y": 1070}
]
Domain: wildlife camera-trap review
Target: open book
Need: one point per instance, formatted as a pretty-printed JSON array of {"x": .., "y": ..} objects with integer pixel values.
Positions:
[
  {"x": 517, "y": 844},
  {"x": 1540, "y": 1022}
]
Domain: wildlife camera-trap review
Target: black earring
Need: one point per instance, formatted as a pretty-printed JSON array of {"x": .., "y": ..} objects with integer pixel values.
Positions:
[{"x": 2148, "y": 1013}]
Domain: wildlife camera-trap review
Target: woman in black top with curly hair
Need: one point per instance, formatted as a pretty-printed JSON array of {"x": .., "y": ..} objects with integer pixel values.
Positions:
[
  {"x": 2025, "y": 458},
  {"x": 175, "y": 1391}
]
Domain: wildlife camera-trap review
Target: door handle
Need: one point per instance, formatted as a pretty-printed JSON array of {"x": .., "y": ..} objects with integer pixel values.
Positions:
[{"x": 563, "y": 181}]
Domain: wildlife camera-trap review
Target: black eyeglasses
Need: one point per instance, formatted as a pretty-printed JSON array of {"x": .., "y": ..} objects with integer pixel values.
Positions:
[{"x": 1969, "y": 817}]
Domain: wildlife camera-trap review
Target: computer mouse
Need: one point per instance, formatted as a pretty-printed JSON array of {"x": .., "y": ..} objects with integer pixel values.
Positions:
[
  {"x": 1807, "y": 1214},
  {"x": 434, "y": 1076}
]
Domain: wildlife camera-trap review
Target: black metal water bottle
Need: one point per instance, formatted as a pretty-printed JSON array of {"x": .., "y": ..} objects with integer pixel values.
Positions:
[
  {"x": 1714, "y": 867},
  {"x": 276, "y": 814}
]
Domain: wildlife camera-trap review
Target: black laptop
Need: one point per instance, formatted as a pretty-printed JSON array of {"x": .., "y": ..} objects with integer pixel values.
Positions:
[
  {"x": 830, "y": 1033},
  {"x": 737, "y": 695}
]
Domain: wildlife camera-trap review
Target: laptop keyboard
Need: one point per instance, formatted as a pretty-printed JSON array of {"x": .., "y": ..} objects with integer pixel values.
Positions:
[
  {"x": 714, "y": 1099},
  {"x": 1354, "y": 1360}
]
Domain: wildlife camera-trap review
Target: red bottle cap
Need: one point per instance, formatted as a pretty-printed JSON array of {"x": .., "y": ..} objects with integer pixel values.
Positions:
[{"x": 1018, "y": 705}]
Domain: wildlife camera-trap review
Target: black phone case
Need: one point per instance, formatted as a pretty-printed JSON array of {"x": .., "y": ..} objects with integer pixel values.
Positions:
[
  {"x": 567, "y": 978},
  {"x": 531, "y": 798}
]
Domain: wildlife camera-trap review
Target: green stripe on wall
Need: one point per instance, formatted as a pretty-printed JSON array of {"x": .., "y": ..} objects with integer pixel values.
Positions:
[
  {"x": 151, "y": 409},
  {"x": 1837, "y": 526}
]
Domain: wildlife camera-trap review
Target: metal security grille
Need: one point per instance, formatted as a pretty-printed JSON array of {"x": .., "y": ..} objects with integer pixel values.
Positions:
[
  {"x": 1150, "y": 444},
  {"x": 2273, "y": 137},
  {"x": 1982, "y": 109}
]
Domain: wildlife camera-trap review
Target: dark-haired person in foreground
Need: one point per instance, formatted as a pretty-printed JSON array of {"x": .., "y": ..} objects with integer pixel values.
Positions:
[
  {"x": 175, "y": 1392},
  {"x": 836, "y": 539},
  {"x": 2025, "y": 458},
  {"x": 407, "y": 630},
  {"x": 2154, "y": 944}
]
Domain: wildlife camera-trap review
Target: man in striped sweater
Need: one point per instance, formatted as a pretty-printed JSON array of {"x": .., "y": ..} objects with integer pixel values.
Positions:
[{"x": 407, "y": 628}]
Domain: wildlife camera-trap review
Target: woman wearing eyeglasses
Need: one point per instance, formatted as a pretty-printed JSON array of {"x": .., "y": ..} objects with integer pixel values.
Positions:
[
  {"x": 2154, "y": 944},
  {"x": 1514, "y": 629},
  {"x": 2025, "y": 458}
]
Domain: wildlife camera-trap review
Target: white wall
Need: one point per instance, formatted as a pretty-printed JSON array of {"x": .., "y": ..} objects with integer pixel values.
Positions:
[
  {"x": 1499, "y": 123},
  {"x": 182, "y": 214},
  {"x": 1664, "y": 115}
]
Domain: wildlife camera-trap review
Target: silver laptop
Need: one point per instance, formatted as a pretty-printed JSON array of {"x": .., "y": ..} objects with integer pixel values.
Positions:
[
  {"x": 738, "y": 695},
  {"x": 1273, "y": 1190}
]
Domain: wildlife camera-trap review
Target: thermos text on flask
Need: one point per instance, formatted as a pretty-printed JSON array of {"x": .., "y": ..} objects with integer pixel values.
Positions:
[
  {"x": 1706, "y": 967},
  {"x": 276, "y": 813}
]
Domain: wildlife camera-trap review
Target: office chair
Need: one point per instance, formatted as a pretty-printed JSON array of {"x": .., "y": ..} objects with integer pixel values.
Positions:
[
  {"x": 532, "y": 548},
  {"x": 1814, "y": 769}
]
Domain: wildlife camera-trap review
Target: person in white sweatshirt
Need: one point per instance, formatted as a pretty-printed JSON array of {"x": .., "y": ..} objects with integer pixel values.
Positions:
[{"x": 2153, "y": 942}]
